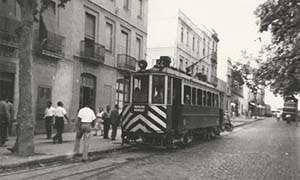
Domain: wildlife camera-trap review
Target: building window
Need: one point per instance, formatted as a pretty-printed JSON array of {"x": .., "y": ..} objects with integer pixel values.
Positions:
[
  {"x": 124, "y": 44},
  {"x": 139, "y": 48},
  {"x": 90, "y": 26},
  {"x": 204, "y": 46},
  {"x": 180, "y": 64},
  {"x": 126, "y": 4},
  {"x": 109, "y": 36},
  {"x": 193, "y": 44},
  {"x": 181, "y": 34},
  {"x": 140, "y": 8},
  {"x": 198, "y": 46},
  {"x": 187, "y": 38},
  {"x": 120, "y": 93}
]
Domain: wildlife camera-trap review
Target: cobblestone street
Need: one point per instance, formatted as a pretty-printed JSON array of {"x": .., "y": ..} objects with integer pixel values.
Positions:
[{"x": 265, "y": 149}]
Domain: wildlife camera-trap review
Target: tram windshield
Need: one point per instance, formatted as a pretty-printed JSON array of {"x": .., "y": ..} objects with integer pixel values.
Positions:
[
  {"x": 158, "y": 87},
  {"x": 140, "y": 88}
]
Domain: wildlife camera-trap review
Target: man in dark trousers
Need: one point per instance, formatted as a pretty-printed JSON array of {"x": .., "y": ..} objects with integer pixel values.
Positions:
[
  {"x": 106, "y": 121},
  {"x": 4, "y": 121},
  {"x": 114, "y": 120}
]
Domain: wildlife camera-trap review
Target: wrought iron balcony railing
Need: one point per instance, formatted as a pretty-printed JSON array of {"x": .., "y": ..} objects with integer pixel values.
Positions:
[
  {"x": 8, "y": 36},
  {"x": 126, "y": 62},
  {"x": 52, "y": 44},
  {"x": 91, "y": 51}
]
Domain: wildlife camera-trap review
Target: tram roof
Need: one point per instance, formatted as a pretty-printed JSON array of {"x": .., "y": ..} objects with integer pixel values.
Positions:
[{"x": 174, "y": 73}]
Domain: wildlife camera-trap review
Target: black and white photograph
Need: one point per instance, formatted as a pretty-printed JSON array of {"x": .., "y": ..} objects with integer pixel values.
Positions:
[{"x": 149, "y": 89}]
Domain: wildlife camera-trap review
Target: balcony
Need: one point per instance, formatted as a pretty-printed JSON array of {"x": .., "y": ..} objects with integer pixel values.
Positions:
[
  {"x": 214, "y": 80},
  {"x": 126, "y": 62},
  {"x": 8, "y": 36},
  {"x": 52, "y": 45},
  {"x": 214, "y": 57},
  {"x": 92, "y": 52}
]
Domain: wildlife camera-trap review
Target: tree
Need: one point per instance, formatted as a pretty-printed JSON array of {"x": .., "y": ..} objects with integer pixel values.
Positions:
[
  {"x": 24, "y": 145},
  {"x": 281, "y": 69}
]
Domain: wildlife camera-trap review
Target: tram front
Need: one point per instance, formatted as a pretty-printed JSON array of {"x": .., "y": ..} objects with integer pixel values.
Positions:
[{"x": 144, "y": 115}]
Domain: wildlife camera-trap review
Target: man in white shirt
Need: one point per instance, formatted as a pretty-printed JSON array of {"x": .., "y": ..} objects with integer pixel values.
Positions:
[
  {"x": 84, "y": 126},
  {"x": 60, "y": 113},
  {"x": 49, "y": 116}
]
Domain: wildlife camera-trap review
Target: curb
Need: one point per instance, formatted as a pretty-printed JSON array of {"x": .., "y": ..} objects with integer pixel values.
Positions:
[{"x": 52, "y": 160}]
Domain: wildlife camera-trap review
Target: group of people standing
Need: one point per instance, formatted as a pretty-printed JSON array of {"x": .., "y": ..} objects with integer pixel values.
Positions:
[
  {"x": 87, "y": 120},
  {"x": 84, "y": 125},
  {"x": 6, "y": 119}
]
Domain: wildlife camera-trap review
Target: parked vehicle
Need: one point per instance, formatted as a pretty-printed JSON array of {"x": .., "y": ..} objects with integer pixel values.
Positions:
[
  {"x": 290, "y": 109},
  {"x": 166, "y": 107}
]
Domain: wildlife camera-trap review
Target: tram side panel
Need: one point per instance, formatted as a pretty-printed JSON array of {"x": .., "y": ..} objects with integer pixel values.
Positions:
[{"x": 195, "y": 117}]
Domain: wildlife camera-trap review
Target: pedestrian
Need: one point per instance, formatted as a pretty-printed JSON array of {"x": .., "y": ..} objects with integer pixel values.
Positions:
[
  {"x": 4, "y": 121},
  {"x": 84, "y": 126},
  {"x": 60, "y": 113},
  {"x": 278, "y": 116},
  {"x": 10, "y": 107},
  {"x": 106, "y": 122},
  {"x": 99, "y": 122},
  {"x": 114, "y": 120},
  {"x": 49, "y": 117}
]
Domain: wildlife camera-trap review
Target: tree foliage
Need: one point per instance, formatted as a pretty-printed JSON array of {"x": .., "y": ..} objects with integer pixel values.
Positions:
[{"x": 281, "y": 69}]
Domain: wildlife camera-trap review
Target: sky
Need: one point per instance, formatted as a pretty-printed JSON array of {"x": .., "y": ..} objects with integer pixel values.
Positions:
[{"x": 235, "y": 23}]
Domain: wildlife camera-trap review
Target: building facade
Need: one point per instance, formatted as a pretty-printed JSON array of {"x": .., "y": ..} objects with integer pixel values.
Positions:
[
  {"x": 80, "y": 53},
  {"x": 192, "y": 48}
]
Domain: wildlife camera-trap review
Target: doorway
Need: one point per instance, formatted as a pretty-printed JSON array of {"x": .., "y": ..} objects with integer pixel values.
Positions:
[
  {"x": 87, "y": 90},
  {"x": 7, "y": 85}
]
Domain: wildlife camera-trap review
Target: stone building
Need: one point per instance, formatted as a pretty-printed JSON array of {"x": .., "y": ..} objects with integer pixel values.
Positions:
[
  {"x": 173, "y": 34},
  {"x": 80, "y": 52}
]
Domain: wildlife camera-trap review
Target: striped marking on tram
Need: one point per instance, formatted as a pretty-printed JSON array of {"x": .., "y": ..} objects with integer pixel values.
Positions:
[{"x": 152, "y": 121}]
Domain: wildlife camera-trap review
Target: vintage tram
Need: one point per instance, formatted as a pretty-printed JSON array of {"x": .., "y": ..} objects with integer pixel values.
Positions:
[{"x": 166, "y": 107}]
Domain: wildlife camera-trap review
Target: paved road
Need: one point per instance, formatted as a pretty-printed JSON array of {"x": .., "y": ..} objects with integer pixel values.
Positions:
[{"x": 263, "y": 150}]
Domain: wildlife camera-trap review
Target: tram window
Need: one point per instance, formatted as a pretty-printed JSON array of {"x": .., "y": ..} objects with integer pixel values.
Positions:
[
  {"x": 213, "y": 99},
  {"x": 126, "y": 88},
  {"x": 158, "y": 89},
  {"x": 217, "y": 100},
  {"x": 204, "y": 98},
  {"x": 193, "y": 95},
  {"x": 187, "y": 95},
  {"x": 199, "y": 97},
  {"x": 140, "y": 86},
  {"x": 169, "y": 90},
  {"x": 209, "y": 99}
]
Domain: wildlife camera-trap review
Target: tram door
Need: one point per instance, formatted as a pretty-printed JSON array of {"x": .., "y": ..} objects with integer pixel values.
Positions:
[{"x": 176, "y": 111}]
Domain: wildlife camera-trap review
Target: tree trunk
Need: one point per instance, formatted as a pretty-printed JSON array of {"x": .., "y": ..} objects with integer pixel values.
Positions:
[{"x": 26, "y": 124}]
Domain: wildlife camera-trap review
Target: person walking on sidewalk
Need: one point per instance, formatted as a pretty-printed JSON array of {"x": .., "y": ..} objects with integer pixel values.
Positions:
[
  {"x": 11, "y": 112},
  {"x": 106, "y": 121},
  {"x": 84, "y": 126},
  {"x": 60, "y": 114},
  {"x": 114, "y": 120},
  {"x": 49, "y": 117},
  {"x": 4, "y": 121},
  {"x": 99, "y": 122}
]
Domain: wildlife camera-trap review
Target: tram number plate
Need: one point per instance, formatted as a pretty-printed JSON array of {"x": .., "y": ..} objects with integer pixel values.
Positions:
[{"x": 139, "y": 108}]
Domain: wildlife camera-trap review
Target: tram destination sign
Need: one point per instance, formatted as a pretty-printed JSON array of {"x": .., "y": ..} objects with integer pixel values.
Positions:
[{"x": 139, "y": 108}]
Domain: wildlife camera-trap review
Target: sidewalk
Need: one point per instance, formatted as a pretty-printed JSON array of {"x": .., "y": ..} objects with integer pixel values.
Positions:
[
  {"x": 45, "y": 149},
  {"x": 240, "y": 121}
]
